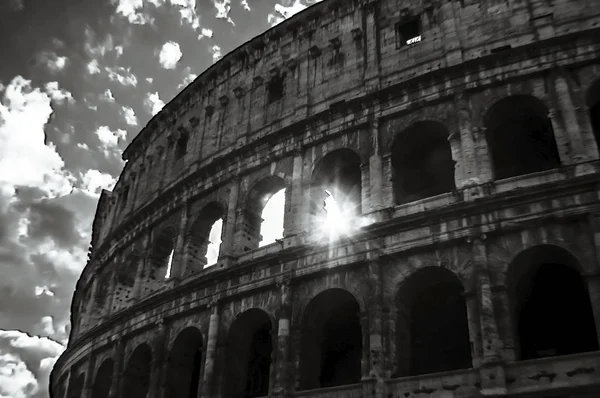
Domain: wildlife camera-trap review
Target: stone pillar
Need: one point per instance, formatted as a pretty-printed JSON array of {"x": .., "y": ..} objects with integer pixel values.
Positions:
[
  {"x": 143, "y": 259},
  {"x": 505, "y": 322},
  {"x": 63, "y": 385},
  {"x": 209, "y": 381},
  {"x": 88, "y": 384},
  {"x": 387, "y": 189},
  {"x": 283, "y": 342},
  {"x": 569, "y": 118},
  {"x": 296, "y": 346},
  {"x": 375, "y": 172},
  {"x": 179, "y": 263},
  {"x": 227, "y": 250},
  {"x": 484, "y": 162},
  {"x": 294, "y": 217},
  {"x": 376, "y": 357},
  {"x": 467, "y": 142},
  {"x": 474, "y": 327},
  {"x": 365, "y": 189},
  {"x": 117, "y": 379},
  {"x": 365, "y": 359},
  {"x": 593, "y": 286},
  {"x": 493, "y": 380},
  {"x": 455, "y": 148},
  {"x": 90, "y": 304},
  {"x": 158, "y": 365},
  {"x": 561, "y": 138}
]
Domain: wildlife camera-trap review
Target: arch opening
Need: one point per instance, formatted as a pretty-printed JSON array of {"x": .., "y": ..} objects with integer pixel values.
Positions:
[
  {"x": 185, "y": 365},
  {"x": 136, "y": 378},
  {"x": 249, "y": 348},
  {"x": 263, "y": 214},
  {"x": 520, "y": 137},
  {"x": 331, "y": 348},
  {"x": 422, "y": 162},
  {"x": 335, "y": 200},
  {"x": 204, "y": 241},
  {"x": 552, "y": 306},
  {"x": 162, "y": 253},
  {"x": 432, "y": 330},
  {"x": 593, "y": 103},
  {"x": 103, "y": 379}
]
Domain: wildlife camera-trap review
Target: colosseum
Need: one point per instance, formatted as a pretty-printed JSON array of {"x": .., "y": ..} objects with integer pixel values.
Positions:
[{"x": 438, "y": 172}]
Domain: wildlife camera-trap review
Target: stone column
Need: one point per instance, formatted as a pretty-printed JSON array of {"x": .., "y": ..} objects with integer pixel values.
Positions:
[
  {"x": 455, "y": 148},
  {"x": 208, "y": 382},
  {"x": 505, "y": 322},
  {"x": 88, "y": 384},
  {"x": 365, "y": 190},
  {"x": 143, "y": 259},
  {"x": 474, "y": 327},
  {"x": 467, "y": 144},
  {"x": 561, "y": 138},
  {"x": 227, "y": 250},
  {"x": 365, "y": 359},
  {"x": 493, "y": 380},
  {"x": 484, "y": 162},
  {"x": 387, "y": 189},
  {"x": 569, "y": 118},
  {"x": 293, "y": 219},
  {"x": 375, "y": 172},
  {"x": 296, "y": 346},
  {"x": 593, "y": 285},
  {"x": 90, "y": 304},
  {"x": 376, "y": 359},
  {"x": 158, "y": 365},
  {"x": 283, "y": 342},
  {"x": 117, "y": 379},
  {"x": 179, "y": 263},
  {"x": 63, "y": 385}
]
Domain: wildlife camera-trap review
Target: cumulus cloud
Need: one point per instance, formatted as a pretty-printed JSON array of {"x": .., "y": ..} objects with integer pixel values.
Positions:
[
  {"x": 132, "y": 10},
  {"x": 52, "y": 61},
  {"x": 107, "y": 96},
  {"x": 93, "y": 67},
  {"x": 283, "y": 12},
  {"x": 170, "y": 54},
  {"x": 206, "y": 32},
  {"x": 245, "y": 5},
  {"x": 25, "y": 158},
  {"x": 94, "y": 181},
  {"x": 216, "y": 52},
  {"x": 122, "y": 75},
  {"x": 223, "y": 7},
  {"x": 110, "y": 139},
  {"x": 129, "y": 116},
  {"x": 153, "y": 103}
]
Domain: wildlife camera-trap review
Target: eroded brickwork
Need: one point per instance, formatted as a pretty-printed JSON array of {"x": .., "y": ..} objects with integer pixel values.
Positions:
[{"x": 463, "y": 137}]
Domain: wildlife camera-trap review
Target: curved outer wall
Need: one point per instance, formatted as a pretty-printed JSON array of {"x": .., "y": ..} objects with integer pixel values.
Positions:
[{"x": 338, "y": 85}]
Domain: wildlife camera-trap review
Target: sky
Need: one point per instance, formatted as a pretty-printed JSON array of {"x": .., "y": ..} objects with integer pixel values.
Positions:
[{"x": 78, "y": 80}]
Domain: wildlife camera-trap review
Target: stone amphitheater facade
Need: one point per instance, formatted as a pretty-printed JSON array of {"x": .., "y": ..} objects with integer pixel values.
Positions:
[{"x": 465, "y": 135}]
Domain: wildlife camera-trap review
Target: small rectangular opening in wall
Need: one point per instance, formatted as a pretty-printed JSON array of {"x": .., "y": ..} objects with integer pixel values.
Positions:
[
  {"x": 408, "y": 32},
  {"x": 500, "y": 49},
  {"x": 125, "y": 196},
  {"x": 275, "y": 89}
]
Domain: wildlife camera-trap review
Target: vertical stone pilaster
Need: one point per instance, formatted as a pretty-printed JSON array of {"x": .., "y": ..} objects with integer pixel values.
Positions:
[
  {"x": 569, "y": 118},
  {"x": 89, "y": 316},
  {"x": 387, "y": 190},
  {"x": 158, "y": 365},
  {"x": 484, "y": 162},
  {"x": 375, "y": 171},
  {"x": 88, "y": 384},
  {"x": 179, "y": 264},
  {"x": 468, "y": 151},
  {"x": 296, "y": 346},
  {"x": 208, "y": 381},
  {"x": 561, "y": 137},
  {"x": 474, "y": 328},
  {"x": 293, "y": 218},
  {"x": 376, "y": 354},
  {"x": 141, "y": 267},
  {"x": 493, "y": 380},
  {"x": 365, "y": 359},
  {"x": 365, "y": 189},
  {"x": 593, "y": 287},
  {"x": 117, "y": 379},
  {"x": 505, "y": 322},
  {"x": 456, "y": 150},
  {"x": 283, "y": 342},
  {"x": 228, "y": 248}
]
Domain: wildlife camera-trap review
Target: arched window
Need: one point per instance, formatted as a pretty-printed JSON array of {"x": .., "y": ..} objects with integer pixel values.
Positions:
[
  {"x": 552, "y": 309},
  {"x": 432, "y": 332},
  {"x": 520, "y": 137},
  {"x": 162, "y": 252},
  {"x": 263, "y": 214},
  {"x": 181, "y": 147},
  {"x": 103, "y": 379},
  {"x": 184, "y": 365},
  {"x": 136, "y": 378},
  {"x": 331, "y": 348},
  {"x": 204, "y": 240},
  {"x": 249, "y": 352},
  {"x": 593, "y": 103},
  {"x": 335, "y": 198},
  {"x": 422, "y": 162}
]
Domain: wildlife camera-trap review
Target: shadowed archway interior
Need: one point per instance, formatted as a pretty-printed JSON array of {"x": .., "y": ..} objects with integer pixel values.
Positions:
[
  {"x": 331, "y": 341},
  {"x": 552, "y": 310},
  {"x": 136, "y": 378},
  {"x": 184, "y": 365},
  {"x": 103, "y": 380}
]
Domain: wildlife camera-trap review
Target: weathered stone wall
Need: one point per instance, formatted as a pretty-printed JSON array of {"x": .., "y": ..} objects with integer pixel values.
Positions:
[{"x": 337, "y": 80}]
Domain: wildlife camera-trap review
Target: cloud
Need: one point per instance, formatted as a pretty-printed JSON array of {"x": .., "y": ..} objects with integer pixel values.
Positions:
[
  {"x": 107, "y": 96},
  {"x": 153, "y": 103},
  {"x": 25, "y": 158},
  {"x": 122, "y": 75},
  {"x": 206, "y": 32},
  {"x": 129, "y": 115},
  {"x": 52, "y": 61},
  {"x": 223, "y": 7},
  {"x": 170, "y": 54},
  {"x": 244, "y": 4},
  {"x": 216, "y": 52},
  {"x": 132, "y": 10},
  {"x": 93, "y": 68},
  {"x": 110, "y": 139},
  {"x": 94, "y": 181},
  {"x": 283, "y": 12}
]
